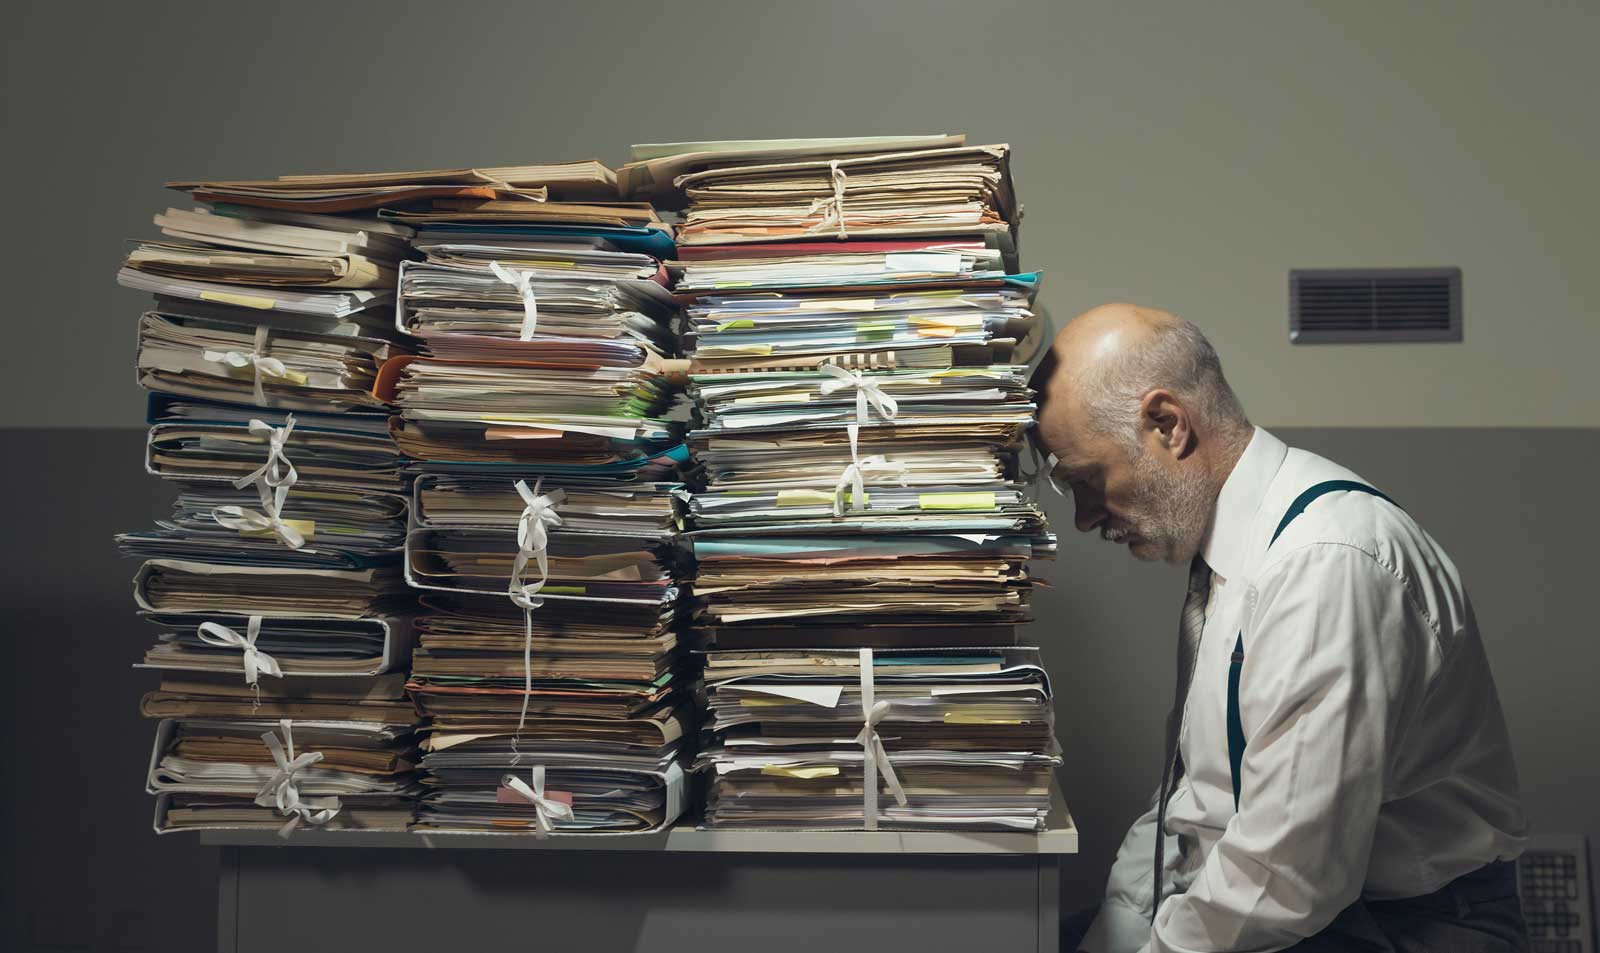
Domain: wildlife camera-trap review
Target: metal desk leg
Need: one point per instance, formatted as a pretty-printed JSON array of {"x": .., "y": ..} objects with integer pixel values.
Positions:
[
  {"x": 1049, "y": 903},
  {"x": 228, "y": 900}
]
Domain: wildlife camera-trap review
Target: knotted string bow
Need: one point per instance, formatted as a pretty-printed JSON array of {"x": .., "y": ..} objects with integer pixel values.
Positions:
[
  {"x": 873, "y": 754},
  {"x": 523, "y": 282},
  {"x": 854, "y": 476},
  {"x": 255, "y": 660},
  {"x": 869, "y": 393},
  {"x": 260, "y": 365},
  {"x": 273, "y": 480},
  {"x": 545, "y": 808},
  {"x": 832, "y": 207},
  {"x": 281, "y": 791}
]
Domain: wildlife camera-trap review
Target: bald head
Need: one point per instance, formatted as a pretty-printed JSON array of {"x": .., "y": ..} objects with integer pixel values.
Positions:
[
  {"x": 1108, "y": 358},
  {"x": 1142, "y": 425}
]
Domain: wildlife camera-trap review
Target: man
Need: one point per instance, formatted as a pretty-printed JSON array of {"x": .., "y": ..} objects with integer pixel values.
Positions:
[{"x": 1338, "y": 773}]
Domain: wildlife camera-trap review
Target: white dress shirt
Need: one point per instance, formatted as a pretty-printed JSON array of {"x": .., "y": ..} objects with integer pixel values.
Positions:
[{"x": 1376, "y": 764}]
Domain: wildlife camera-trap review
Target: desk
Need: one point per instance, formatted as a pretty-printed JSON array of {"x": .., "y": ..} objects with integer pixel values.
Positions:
[{"x": 681, "y": 890}]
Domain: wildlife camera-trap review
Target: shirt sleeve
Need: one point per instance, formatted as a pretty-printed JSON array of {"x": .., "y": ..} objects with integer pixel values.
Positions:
[
  {"x": 1333, "y": 642},
  {"x": 1123, "y": 923}
]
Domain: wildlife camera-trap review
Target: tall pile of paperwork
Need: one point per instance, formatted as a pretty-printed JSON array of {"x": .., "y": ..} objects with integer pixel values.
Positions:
[
  {"x": 856, "y": 320},
  {"x": 544, "y": 512}
]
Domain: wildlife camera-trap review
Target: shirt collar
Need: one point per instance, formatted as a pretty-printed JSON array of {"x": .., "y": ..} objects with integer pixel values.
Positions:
[{"x": 1227, "y": 543}]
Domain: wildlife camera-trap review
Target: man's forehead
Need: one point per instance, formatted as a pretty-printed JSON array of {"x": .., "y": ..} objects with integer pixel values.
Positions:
[
  {"x": 1064, "y": 432},
  {"x": 1062, "y": 420}
]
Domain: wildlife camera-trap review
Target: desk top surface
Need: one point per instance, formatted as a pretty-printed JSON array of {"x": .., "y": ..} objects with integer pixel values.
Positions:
[{"x": 1059, "y": 837}]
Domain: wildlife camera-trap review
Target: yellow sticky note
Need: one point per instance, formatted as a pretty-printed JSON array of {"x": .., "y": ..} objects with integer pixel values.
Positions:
[
  {"x": 948, "y": 320},
  {"x": 866, "y": 328},
  {"x": 736, "y": 325},
  {"x": 565, "y": 590},
  {"x": 808, "y": 773},
  {"x": 936, "y": 332},
  {"x": 735, "y": 350},
  {"x": 764, "y": 702},
  {"x": 243, "y": 301},
  {"x": 811, "y": 497},
  {"x": 844, "y": 304},
  {"x": 956, "y": 501},
  {"x": 306, "y": 528},
  {"x": 783, "y": 397},
  {"x": 961, "y": 718},
  {"x": 248, "y": 373}
]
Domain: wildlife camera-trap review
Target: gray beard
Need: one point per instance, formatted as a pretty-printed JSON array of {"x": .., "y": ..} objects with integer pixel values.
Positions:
[{"x": 1169, "y": 512}]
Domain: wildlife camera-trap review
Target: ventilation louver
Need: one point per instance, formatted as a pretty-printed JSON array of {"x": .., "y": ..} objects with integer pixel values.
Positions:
[{"x": 1378, "y": 305}]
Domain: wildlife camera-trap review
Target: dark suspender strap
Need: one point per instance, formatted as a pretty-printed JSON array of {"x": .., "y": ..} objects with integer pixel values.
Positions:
[
  {"x": 1304, "y": 500},
  {"x": 1235, "y": 725},
  {"x": 1236, "y": 664}
]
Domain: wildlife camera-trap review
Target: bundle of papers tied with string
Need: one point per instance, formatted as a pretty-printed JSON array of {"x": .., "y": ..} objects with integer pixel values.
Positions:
[
  {"x": 858, "y": 334},
  {"x": 544, "y": 516},
  {"x": 968, "y": 735},
  {"x": 209, "y": 773},
  {"x": 955, "y": 191}
]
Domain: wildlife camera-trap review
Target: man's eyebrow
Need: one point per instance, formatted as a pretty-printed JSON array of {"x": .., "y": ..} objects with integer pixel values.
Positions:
[{"x": 1075, "y": 468}]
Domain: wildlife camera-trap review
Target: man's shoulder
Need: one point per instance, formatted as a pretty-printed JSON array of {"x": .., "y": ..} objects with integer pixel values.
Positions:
[{"x": 1358, "y": 522}]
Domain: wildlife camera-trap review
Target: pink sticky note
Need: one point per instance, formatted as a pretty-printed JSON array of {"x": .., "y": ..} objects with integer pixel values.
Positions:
[{"x": 504, "y": 795}]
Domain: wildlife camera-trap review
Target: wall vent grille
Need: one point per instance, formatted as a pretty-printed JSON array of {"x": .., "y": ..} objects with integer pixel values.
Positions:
[{"x": 1374, "y": 305}]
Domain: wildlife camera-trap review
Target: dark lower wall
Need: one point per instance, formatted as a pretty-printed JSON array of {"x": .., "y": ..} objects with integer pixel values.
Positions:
[{"x": 1515, "y": 509}]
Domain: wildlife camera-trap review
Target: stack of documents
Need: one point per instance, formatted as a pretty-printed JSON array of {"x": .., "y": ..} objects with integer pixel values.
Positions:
[
  {"x": 275, "y": 591},
  {"x": 857, "y": 340},
  {"x": 604, "y": 723},
  {"x": 964, "y": 735},
  {"x": 546, "y": 343},
  {"x": 281, "y": 619},
  {"x": 336, "y": 752},
  {"x": 544, "y": 516}
]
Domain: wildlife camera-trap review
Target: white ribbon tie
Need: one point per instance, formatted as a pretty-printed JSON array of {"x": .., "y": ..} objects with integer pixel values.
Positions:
[
  {"x": 869, "y": 393},
  {"x": 256, "y": 360},
  {"x": 533, "y": 543},
  {"x": 273, "y": 480},
  {"x": 255, "y": 660},
  {"x": 545, "y": 808},
  {"x": 873, "y": 755},
  {"x": 281, "y": 791},
  {"x": 832, "y": 207},
  {"x": 523, "y": 282}
]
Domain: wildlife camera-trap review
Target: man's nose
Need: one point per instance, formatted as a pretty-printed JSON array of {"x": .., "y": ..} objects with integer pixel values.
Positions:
[{"x": 1088, "y": 514}]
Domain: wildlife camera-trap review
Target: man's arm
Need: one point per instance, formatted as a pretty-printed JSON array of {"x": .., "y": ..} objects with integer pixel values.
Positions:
[
  {"x": 1334, "y": 645},
  {"x": 1123, "y": 923}
]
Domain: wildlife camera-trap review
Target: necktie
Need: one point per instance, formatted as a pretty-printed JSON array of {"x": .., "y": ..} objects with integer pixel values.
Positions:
[{"x": 1189, "y": 628}]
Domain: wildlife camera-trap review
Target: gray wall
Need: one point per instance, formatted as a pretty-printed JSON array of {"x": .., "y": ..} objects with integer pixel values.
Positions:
[
  {"x": 1180, "y": 154},
  {"x": 1515, "y": 508}
]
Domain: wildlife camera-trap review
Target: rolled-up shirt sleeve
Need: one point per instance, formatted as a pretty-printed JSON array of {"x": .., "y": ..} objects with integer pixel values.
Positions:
[{"x": 1332, "y": 643}]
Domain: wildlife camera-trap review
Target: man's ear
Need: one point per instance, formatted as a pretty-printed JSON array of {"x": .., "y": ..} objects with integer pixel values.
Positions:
[{"x": 1164, "y": 418}]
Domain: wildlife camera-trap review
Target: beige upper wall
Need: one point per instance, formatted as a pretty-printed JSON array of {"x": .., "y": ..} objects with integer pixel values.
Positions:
[{"x": 1179, "y": 154}]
